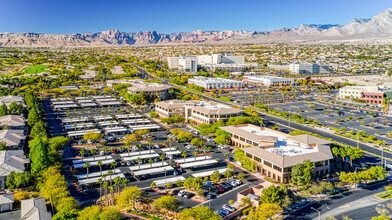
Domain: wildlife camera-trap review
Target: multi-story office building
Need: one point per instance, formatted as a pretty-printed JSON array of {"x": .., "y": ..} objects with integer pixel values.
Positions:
[
  {"x": 215, "y": 83},
  {"x": 355, "y": 91},
  {"x": 268, "y": 80},
  {"x": 199, "y": 112},
  {"x": 309, "y": 68},
  {"x": 190, "y": 63},
  {"x": 275, "y": 153}
]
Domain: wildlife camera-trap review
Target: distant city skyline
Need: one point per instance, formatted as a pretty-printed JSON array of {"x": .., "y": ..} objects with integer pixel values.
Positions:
[{"x": 168, "y": 16}]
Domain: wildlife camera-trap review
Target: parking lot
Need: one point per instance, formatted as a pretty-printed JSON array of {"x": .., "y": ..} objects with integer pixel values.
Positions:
[
  {"x": 140, "y": 166},
  {"x": 350, "y": 118}
]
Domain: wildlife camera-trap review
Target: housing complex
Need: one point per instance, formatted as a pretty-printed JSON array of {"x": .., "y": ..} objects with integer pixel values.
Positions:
[
  {"x": 199, "y": 112},
  {"x": 275, "y": 153},
  {"x": 34, "y": 209},
  {"x": 268, "y": 80},
  {"x": 12, "y": 160},
  {"x": 215, "y": 83}
]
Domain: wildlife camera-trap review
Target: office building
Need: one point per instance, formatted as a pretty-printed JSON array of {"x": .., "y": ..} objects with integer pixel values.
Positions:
[
  {"x": 199, "y": 112},
  {"x": 355, "y": 91},
  {"x": 215, "y": 83},
  {"x": 275, "y": 153},
  {"x": 309, "y": 68},
  {"x": 268, "y": 80}
]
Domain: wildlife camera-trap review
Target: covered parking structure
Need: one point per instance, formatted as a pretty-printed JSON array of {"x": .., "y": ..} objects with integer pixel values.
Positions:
[
  {"x": 143, "y": 156},
  {"x": 127, "y": 116},
  {"x": 69, "y": 127},
  {"x": 114, "y": 103},
  {"x": 152, "y": 171},
  {"x": 102, "y": 118},
  {"x": 74, "y": 120},
  {"x": 66, "y": 106},
  {"x": 169, "y": 180},
  {"x": 88, "y": 104},
  {"x": 147, "y": 166},
  {"x": 174, "y": 152},
  {"x": 115, "y": 130},
  {"x": 79, "y": 134},
  {"x": 63, "y": 103},
  {"x": 95, "y": 180},
  {"x": 130, "y": 154},
  {"x": 192, "y": 159},
  {"x": 135, "y": 121},
  {"x": 110, "y": 123},
  {"x": 200, "y": 163},
  {"x": 90, "y": 159},
  {"x": 150, "y": 127},
  {"x": 97, "y": 174},
  {"x": 208, "y": 173},
  {"x": 94, "y": 163}
]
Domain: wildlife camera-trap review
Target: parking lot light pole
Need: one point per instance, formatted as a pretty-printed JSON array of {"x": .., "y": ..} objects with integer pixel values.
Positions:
[{"x": 319, "y": 213}]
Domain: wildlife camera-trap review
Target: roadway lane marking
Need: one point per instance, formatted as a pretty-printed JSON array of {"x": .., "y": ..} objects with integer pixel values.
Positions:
[{"x": 344, "y": 206}]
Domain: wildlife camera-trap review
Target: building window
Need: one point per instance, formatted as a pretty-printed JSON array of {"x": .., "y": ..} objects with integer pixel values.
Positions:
[
  {"x": 277, "y": 168},
  {"x": 287, "y": 170},
  {"x": 257, "y": 159},
  {"x": 267, "y": 163},
  {"x": 249, "y": 155},
  {"x": 319, "y": 164}
]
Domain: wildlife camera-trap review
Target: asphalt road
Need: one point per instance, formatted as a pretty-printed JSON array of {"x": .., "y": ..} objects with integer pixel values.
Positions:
[
  {"x": 326, "y": 134},
  {"x": 338, "y": 203}
]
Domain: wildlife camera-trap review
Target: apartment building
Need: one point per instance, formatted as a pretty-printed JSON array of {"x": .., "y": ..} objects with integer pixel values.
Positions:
[
  {"x": 275, "y": 153},
  {"x": 309, "y": 68},
  {"x": 199, "y": 112},
  {"x": 268, "y": 80},
  {"x": 215, "y": 83}
]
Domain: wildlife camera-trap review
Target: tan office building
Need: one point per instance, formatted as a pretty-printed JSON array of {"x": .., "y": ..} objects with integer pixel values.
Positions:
[{"x": 275, "y": 153}]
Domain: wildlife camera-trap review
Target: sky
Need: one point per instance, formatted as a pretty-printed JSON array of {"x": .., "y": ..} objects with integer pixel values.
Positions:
[{"x": 168, "y": 16}]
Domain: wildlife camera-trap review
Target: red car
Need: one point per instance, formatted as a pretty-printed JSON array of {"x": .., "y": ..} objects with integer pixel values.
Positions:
[{"x": 220, "y": 188}]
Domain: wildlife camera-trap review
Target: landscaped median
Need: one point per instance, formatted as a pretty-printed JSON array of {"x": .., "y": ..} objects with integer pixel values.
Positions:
[{"x": 385, "y": 195}]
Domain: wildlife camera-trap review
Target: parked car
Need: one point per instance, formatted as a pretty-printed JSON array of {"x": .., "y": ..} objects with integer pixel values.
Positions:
[
  {"x": 225, "y": 211},
  {"x": 215, "y": 190},
  {"x": 189, "y": 195},
  {"x": 175, "y": 192},
  {"x": 221, "y": 189},
  {"x": 129, "y": 163},
  {"x": 181, "y": 193},
  {"x": 176, "y": 173},
  {"x": 228, "y": 207}
]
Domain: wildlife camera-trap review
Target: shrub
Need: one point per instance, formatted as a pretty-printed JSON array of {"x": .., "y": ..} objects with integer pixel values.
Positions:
[
  {"x": 21, "y": 195},
  {"x": 247, "y": 210}
]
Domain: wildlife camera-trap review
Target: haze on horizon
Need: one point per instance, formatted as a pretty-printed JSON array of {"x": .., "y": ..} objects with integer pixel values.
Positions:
[{"x": 67, "y": 17}]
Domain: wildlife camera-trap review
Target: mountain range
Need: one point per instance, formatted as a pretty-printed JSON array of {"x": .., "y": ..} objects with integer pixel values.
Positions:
[{"x": 375, "y": 30}]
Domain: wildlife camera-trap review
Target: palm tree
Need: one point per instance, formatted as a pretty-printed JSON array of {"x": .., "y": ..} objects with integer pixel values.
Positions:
[
  {"x": 195, "y": 153},
  {"x": 170, "y": 140},
  {"x": 162, "y": 157},
  {"x": 111, "y": 188},
  {"x": 111, "y": 123},
  {"x": 204, "y": 148},
  {"x": 113, "y": 164},
  {"x": 105, "y": 186},
  {"x": 138, "y": 160},
  {"x": 139, "y": 148},
  {"x": 110, "y": 172},
  {"x": 184, "y": 154},
  {"x": 87, "y": 165},
  {"x": 105, "y": 149},
  {"x": 117, "y": 182},
  {"x": 343, "y": 154},
  {"x": 100, "y": 180},
  {"x": 125, "y": 182},
  {"x": 100, "y": 166},
  {"x": 81, "y": 153},
  {"x": 149, "y": 145},
  {"x": 93, "y": 151},
  {"x": 150, "y": 161},
  {"x": 74, "y": 125}
]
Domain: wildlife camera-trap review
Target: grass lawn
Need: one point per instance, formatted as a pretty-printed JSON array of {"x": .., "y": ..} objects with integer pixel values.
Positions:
[{"x": 36, "y": 69}]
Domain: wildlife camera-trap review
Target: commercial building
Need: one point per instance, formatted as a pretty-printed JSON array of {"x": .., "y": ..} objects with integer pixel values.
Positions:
[
  {"x": 215, "y": 83},
  {"x": 372, "y": 97},
  {"x": 199, "y": 112},
  {"x": 269, "y": 80},
  {"x": 12, "y": 160},
  {"x": 139, "y": 87},
  {"x": 309, "y": 68},
  {"x": 275, "y": 153},
  {"x": 190, "y": 63},
  {"x": 355, "y": 91},
  {"x": 35, "y": 209}
]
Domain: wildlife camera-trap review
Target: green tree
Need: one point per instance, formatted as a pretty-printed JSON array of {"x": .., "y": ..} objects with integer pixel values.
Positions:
[
  {"x": 302, "y": 173},
  {"x": 38, "y": 155},
  {"x": 215, "y": 176},
  {"x": 272, "y": 194},
  {"x": 128, "y": 196},
  {"x": 166, "y": 202},
  {"x": 198, "y": 213}
]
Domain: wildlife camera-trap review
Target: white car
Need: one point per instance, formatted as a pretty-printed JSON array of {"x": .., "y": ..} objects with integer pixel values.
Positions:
[{"x": 181, "y": 193}]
